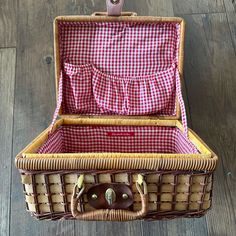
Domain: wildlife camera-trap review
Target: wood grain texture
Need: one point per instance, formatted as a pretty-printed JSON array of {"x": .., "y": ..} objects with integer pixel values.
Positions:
[
  {"x": 230, "y": 8},
  {"x": 150, "y": 8},
  {"x": 8, "y": 23},
  {"x": 34, "y": 101},
  {"x": 197, "y": 6},
  {"x": 7, "y": 81},
  {"x": 210, "y": 79}
]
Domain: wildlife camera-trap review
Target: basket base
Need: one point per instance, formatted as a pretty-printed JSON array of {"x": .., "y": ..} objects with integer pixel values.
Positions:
[{"x": 151, "y": 216}]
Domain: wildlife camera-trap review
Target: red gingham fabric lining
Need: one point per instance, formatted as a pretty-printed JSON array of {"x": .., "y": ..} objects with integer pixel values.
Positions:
[
  {"x": 121, "y": 49},
  {"x": 137, "y": 95},
  {"x": 124, "y": 49},
  {"x": 119, "y": 68},
  {"x": 127, "y": 139},
  {"x": 78, "y": 90},
  {"x": 88, "y": 90},
  {"x": 54, "y": 143}
]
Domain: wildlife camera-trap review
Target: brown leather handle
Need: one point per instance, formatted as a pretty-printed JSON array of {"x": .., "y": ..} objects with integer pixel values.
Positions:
[
  {"x": 114, "y": 7},
  {"x": 122, "y": 14},
  {"x": 109, "y": 214}
]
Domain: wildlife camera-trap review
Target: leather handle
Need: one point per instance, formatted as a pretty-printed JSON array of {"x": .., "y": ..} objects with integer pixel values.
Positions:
[
  {"x": 109, "y": 214},
  {"x": 114, "y": 7},
  {"x": 128, "y": 13}
]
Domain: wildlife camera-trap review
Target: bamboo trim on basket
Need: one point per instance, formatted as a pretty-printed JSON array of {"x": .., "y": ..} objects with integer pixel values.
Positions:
[
  {"x": 181, "y": 63},
  {"x": 116, "y": 155},
  {"x": 120, "y": 18},
  {"x": 178, "y": 163},
  {"x": 118, "y": 121},
  {"x": 146, "y": 117},
  {"x": 114, "y": 19},
  {"x": 57, "y": 63},
  {"x": 56, "y": 56}
]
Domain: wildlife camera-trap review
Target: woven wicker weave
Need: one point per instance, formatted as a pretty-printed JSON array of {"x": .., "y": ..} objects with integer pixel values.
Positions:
[
  {"x": 170, "y": 193},
  {"x": 178, "y": 185}
]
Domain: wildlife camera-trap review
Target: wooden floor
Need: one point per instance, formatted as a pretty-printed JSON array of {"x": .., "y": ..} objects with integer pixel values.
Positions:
[{"x": 27, "y": 101}]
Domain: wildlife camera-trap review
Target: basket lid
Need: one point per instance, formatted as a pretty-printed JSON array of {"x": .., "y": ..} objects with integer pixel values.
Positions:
[{"x": 126, "y": 65}]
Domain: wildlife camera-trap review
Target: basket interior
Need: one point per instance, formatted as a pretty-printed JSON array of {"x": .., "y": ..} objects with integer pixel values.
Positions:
[
  {"x": 125, "y": 139},
  {"x": 123, "y": 68}
]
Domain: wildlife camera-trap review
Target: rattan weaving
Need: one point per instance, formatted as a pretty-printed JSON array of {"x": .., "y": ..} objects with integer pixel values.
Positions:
[{"x": 106, "y": 137}]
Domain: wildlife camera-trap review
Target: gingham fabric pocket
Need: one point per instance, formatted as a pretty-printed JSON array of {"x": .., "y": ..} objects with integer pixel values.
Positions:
[
  {"x": 152, "y": 94},
  {"x": 78, "y": 93},
  {"x": 87, "y": 90}
]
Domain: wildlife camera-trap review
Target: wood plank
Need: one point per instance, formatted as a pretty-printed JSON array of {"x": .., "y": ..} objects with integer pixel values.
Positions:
[
  {"x": 188, "y": 227},
  {"x": 211, "y": 84},
  {"x": 150, "y": 8},
  {"x": 8, "y": 23},
  {"x": 197, "y": 6},
  {"x": 7, "y": 81},
  {"x": 108, "y": 228},
  {"x": 35, "y": 101},
  {"x": 230, "y": 7}
]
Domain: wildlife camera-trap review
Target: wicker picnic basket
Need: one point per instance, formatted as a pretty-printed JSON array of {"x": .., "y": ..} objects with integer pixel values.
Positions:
[{"x": 119, "y": 150}]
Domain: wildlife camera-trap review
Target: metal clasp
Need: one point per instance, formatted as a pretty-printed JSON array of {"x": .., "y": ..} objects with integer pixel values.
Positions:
[
  {"x": 114, "y": 1},
  {"x": 110, "y": 196}
]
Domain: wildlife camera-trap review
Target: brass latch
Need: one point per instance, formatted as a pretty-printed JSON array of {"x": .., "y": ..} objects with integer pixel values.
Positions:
[{"x": 110, "y": 196}]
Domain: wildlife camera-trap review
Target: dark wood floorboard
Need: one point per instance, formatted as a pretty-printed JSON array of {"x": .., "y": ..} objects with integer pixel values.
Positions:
[
  {"x": 150, "y": 8},
  {"x": 34, "y": 101},
  {"x": 7, "y": 81},
  {"x": 210, "y": 82},
  {"x": 230, "y": 7},
  {"x": 198, "y": 6},
  {"x": 8, "y": 23},
  {"x": 210, "y": 76}
]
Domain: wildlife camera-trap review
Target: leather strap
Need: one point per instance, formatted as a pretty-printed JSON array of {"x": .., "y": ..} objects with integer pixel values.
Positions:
[
  {"x": 100, "y": 201},
  {"x": 114, "y": 7}
]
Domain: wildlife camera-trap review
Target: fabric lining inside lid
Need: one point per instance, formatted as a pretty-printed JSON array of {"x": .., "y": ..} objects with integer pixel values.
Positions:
[{"x": 123, "y": 49}]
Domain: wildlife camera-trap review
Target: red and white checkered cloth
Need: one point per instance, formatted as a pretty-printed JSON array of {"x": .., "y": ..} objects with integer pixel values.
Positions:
[
  {"x": 127, "y": 68},
  {"x": 88, "y": 90},
  {"x": 127, "y": 139}
]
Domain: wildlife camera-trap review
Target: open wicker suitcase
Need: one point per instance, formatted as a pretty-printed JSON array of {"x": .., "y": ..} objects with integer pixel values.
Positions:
[{"x": 118, "y": 150}]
